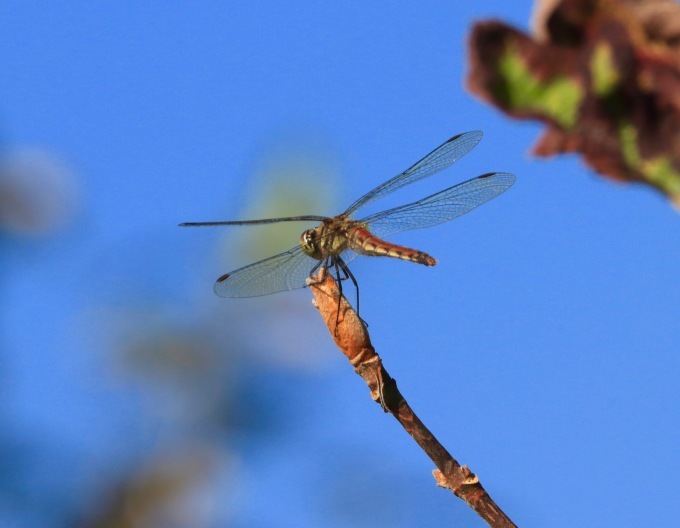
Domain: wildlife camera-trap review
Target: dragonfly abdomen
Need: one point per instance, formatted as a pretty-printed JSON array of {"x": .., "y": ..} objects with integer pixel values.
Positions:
[{"x": 362, "y": 241}]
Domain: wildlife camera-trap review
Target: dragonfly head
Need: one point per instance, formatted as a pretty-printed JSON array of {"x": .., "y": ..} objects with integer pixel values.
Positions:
[{"x": 309, "y": 241}]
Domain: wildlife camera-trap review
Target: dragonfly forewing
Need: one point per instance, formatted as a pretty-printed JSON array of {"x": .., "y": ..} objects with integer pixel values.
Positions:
[{"x": 439, "y": 159}]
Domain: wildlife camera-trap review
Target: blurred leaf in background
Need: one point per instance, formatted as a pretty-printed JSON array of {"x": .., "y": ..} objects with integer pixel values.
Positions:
[
  {"x": 177, "y": 399},
  {"x": 204, "y": 390},
  {"x": 37, "y": 192},
  {"x": 604, "y": 75}
]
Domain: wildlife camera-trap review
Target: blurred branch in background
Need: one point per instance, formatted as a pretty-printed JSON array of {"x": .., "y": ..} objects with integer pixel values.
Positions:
[
  {"x": 161, "y": 492},
  {"x": 604, "y": 75}
]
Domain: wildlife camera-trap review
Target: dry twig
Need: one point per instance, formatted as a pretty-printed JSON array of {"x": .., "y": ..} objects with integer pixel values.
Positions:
[{"x": 351, "y": 336}]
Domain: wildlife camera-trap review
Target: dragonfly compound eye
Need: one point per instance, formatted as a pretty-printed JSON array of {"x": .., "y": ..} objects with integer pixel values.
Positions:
[{"x": 307, "y": 240}]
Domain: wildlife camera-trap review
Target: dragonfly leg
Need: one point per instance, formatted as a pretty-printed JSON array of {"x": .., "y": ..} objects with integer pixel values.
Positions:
[
  {"x": 342, "y": 273},
  {"x": 338, "y": 280},
  {"x": 340, "y": 265},
  {"x": 323, "y": 265}
]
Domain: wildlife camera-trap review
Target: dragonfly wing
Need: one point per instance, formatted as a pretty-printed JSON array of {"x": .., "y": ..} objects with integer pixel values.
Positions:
[
  {"x": 440, "y": 207},
  {"x": 348, "y": 256},
  {"x": 286, "y": 271},
  {"x": 437, "y": 160}
]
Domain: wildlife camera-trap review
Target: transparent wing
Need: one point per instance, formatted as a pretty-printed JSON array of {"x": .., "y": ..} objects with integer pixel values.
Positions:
[
  {"x": 437, "y": 160},
  {"x": 286, "y": 271},
  {"x": 440, "y": 207}
]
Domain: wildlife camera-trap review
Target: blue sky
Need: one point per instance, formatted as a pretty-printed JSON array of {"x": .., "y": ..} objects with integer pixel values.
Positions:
[{"x": 541, "y": 350}]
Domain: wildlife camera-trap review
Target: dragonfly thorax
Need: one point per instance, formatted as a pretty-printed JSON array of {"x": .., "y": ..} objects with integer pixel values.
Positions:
[{"x": 329, "y": 238}]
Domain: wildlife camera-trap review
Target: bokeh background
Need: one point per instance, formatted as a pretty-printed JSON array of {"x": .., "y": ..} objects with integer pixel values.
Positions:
[{"x": 542, "y": 350}]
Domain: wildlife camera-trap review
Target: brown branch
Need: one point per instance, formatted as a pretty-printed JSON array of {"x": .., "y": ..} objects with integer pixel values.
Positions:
[{"x": 351, "y": 336}]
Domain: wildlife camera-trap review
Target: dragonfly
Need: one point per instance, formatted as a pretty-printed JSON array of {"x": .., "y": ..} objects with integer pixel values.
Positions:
[{"x": 338, "y": 240}]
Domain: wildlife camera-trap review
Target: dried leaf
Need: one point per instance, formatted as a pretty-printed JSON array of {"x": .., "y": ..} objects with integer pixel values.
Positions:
[{"x": 604, "y": 75}]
